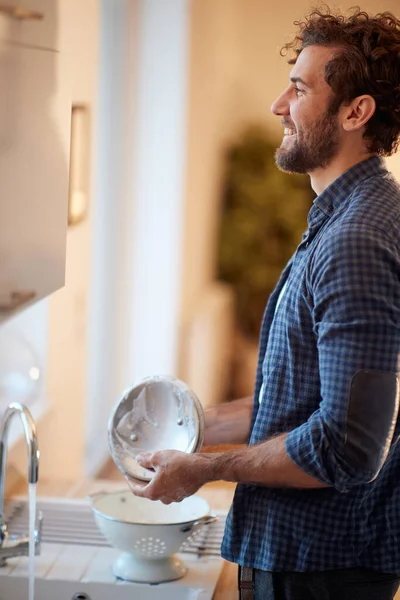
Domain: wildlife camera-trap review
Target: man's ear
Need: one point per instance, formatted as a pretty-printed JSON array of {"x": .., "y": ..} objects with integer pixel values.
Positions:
[{"x": 358, "y": 112}]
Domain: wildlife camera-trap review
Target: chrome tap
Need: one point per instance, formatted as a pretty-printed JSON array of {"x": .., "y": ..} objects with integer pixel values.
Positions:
[{"x": 11, "y": 545}]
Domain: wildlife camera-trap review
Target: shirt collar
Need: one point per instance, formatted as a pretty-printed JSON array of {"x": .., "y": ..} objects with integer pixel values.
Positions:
[{"x": 341, "y": 189}]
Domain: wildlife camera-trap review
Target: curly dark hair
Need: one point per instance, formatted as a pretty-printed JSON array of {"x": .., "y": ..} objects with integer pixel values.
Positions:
[{"x": 367, "y": 62}]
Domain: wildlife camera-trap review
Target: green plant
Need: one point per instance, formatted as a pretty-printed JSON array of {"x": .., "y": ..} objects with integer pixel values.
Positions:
[{"x": 264, "y": 215}]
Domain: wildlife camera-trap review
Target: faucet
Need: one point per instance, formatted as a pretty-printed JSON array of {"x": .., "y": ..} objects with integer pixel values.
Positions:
[{"x": 12, "y": 545}]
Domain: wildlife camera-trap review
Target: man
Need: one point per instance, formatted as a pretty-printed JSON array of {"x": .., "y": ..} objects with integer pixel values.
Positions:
[{"x": 316, "y": 514}]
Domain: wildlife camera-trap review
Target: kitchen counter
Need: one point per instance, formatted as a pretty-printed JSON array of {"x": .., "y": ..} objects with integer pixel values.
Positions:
[{"x": 217, "y": 494}]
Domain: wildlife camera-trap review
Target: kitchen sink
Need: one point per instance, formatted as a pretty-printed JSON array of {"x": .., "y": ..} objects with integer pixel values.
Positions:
[
  {"x": 16, "y": 588},
  {"x": 84, "y": 573},
  {"x": 75, "y": 560}
]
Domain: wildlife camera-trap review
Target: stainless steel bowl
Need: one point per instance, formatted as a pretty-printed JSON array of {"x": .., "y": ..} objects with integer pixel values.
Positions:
[{"x": 158, "y": 413}]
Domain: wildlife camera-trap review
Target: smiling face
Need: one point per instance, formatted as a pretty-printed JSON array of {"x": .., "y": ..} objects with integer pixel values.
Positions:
[{"x": 312, "y": 134}]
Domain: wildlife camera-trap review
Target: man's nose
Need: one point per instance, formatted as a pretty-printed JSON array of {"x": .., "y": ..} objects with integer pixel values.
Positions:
[{"x": 281, "y": 105}]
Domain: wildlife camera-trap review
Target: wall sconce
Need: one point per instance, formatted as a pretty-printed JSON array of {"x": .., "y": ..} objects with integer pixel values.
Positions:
[{"x": 79, "y": 173}]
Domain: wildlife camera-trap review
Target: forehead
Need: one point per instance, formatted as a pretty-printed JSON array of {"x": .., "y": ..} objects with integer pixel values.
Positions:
[{"x": 310, "y": 65}]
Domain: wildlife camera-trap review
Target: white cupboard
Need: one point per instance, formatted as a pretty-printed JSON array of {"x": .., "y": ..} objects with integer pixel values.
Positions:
[{"x": 35, "y": 111}]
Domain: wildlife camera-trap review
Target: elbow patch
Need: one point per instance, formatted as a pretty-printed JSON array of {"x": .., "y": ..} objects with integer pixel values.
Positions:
[{"x": 371, "y": 419}]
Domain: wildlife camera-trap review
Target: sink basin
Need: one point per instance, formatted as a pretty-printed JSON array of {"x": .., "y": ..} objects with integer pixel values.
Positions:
[
  {"x": 84, "y": 573},
  {"x": 16, "y": 588}
]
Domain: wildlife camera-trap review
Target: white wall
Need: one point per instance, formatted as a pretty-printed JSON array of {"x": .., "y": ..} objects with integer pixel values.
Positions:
[
  {"x": 138, "y": 225},
  {"x": 159, "y": 153},
  {"x": 213, "y": 116},
  {"x": 110, "y": 297}
]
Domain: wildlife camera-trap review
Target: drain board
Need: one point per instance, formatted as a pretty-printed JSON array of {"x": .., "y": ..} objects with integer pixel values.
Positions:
[{"x": 71, "y": 522}]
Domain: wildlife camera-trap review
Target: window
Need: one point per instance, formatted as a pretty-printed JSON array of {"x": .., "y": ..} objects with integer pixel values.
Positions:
[{"x": 23, "y": 361}]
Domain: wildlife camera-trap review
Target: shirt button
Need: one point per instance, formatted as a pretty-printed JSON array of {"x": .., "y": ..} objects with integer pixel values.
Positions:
[{"x": 307, "y": 244}]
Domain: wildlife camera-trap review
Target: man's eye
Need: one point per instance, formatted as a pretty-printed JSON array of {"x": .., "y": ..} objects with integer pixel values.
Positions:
[{"x": 298, "y": 91}]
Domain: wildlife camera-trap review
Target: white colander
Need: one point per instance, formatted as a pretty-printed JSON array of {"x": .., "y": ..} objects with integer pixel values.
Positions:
[{"x": 149, "y": 533}]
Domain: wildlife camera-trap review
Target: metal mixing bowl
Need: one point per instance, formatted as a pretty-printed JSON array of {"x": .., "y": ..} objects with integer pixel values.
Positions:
[{"x": 158, "y": 413}]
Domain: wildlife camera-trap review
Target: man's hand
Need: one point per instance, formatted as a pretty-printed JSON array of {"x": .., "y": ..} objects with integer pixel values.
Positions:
[{"x": 177, "y": 475}]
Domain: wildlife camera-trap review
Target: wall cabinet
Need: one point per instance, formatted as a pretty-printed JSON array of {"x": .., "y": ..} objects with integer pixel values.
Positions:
[{"x": 35, "y": 111}]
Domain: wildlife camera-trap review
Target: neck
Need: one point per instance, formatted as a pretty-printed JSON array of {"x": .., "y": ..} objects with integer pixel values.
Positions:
[{"x": 322, "y": 178}]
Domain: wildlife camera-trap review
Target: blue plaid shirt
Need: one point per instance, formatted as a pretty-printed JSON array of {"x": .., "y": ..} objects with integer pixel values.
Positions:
[{"x": 339, "y": 313}]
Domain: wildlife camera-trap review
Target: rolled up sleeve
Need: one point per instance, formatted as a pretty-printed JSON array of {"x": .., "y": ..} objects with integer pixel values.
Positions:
[{"x": 354, "y": 285}]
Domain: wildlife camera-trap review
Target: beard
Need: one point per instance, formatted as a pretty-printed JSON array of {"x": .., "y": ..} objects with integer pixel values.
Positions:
[{"x": 315, "y": 150}]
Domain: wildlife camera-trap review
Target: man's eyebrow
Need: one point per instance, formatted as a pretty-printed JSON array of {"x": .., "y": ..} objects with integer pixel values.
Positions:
[{"x": 299, "y": 80}]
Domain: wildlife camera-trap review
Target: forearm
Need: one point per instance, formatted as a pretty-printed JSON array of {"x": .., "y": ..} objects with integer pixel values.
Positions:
[
  {"x": 266, "y": 464},
  {"x": 228, "y": 423}
]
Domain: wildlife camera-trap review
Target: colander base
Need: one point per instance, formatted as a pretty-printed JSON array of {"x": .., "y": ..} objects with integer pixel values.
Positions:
[{"x": 142, "y": 570}]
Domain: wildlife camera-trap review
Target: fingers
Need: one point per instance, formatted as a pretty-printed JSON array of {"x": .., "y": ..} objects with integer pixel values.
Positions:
[
  {"x": 148, "y": 493},
  {"x": 166, "y": 485}
]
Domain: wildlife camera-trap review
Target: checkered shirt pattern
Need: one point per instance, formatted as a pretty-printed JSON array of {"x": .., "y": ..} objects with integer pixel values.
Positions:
[{"x": 339, "y": 313}]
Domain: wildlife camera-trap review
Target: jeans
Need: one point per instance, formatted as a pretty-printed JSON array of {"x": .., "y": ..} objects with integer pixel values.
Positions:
[{"x": 339, "y": 584}]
